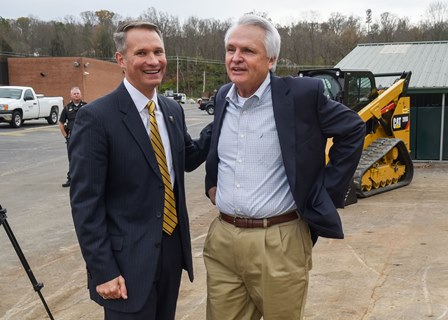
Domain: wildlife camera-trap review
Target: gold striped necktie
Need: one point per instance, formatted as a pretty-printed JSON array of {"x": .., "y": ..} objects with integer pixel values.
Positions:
[{"x": 169, "y": 211}]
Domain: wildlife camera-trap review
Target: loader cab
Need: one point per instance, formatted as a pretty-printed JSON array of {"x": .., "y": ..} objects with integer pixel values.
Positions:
[
  {"x": 360, "y": 89},
  {"x": 355, "y": 89}
]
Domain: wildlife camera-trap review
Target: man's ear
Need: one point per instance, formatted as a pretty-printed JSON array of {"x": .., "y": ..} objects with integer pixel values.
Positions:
[
  {"x": 120, "y": 59},
  {"x": 271, "y": 62}
]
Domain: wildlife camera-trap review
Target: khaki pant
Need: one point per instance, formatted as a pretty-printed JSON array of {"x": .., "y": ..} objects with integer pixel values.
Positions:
[{"x": 257, "y": 272}]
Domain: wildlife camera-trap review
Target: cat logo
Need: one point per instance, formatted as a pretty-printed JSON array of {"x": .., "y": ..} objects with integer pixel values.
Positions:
[{"x": 400, "y": 122}]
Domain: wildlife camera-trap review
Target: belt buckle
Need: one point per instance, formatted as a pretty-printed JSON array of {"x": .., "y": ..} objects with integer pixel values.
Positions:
[
  {"x": 243, "y": 222},
  {"x": 240, "y": 222}
]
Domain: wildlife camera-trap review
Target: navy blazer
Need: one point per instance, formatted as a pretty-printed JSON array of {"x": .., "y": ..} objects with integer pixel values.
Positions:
[
  {"x": 117, "y": 192},
  {"x": 305, "y": 118}
]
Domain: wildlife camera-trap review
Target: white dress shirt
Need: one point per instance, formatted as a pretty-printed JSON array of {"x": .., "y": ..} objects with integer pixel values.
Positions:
[{"x": 140, "y": 101}]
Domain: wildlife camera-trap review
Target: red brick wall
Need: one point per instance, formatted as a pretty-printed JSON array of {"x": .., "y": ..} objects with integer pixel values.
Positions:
[
  {"x": 102, "y": 78},
  {"x": 56, "y": 76}
]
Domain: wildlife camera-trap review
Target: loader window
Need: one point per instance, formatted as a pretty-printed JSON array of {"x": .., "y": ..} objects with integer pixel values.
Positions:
[
  {"x": 332, "y": 88},
  {"x": 360, "y": 92}
]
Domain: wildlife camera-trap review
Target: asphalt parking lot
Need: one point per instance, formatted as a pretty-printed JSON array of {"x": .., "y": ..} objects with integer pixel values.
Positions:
[{"x": 393, "y": 263}]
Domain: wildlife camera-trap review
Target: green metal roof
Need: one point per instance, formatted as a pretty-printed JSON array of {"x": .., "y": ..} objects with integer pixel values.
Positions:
[{"x": 428, "y": 62}]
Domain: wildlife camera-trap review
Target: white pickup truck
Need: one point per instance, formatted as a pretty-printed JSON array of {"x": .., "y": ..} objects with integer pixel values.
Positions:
[{"x": 18, "y": 104}]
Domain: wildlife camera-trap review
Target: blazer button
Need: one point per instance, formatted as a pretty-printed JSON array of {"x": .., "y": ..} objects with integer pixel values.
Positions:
[
  {"x": 159, "y": 215},
  {"x": 157, "y": 245}
]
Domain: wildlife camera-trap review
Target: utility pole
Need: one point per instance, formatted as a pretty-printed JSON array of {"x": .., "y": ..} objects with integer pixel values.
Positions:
[
  {"x": 203, "y": 83},
  {"x": 177, "y": 74}
]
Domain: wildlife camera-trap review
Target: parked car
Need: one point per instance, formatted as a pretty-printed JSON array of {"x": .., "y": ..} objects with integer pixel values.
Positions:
[
  {"x": 181, "y": 98},
  {"x": 18, "y": 104},
  {"x": 208, "y": 105}
]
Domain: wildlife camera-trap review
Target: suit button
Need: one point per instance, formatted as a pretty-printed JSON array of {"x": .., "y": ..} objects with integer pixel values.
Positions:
[
  {"x": 159, "y": 215},
  {"x": 157, "y": 245}
]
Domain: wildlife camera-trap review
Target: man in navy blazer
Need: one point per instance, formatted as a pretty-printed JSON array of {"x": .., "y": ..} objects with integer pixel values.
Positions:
[
  {"x": 267, "y": 175},
  {"x": 117, "y": 192}
]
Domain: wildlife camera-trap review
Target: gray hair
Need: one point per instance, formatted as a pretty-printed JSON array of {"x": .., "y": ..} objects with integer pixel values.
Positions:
[
  {"x": 120, "y": 33},
  {"x": 271, "y": 39},
  {"x": 74, "y": 88}
]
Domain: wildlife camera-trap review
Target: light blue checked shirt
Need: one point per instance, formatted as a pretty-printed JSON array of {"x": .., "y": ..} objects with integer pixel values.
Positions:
[{"x": 251, "y": 176}]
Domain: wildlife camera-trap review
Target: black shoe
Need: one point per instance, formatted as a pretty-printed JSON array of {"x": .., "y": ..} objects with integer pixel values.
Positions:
[{"x": 67, "y": 184}]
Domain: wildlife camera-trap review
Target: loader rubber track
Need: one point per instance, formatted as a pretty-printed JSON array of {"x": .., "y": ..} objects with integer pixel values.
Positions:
[{"x": 373, "y": 155}]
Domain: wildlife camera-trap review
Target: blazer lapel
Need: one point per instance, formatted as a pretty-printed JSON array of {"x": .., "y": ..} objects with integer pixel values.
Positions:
[
  {"x": 220, "y": 110},
  {"x": 283, "y": 104}
]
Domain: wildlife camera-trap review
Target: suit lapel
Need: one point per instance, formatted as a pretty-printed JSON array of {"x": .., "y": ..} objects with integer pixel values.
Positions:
[
  {"x": 220, "y": 109},
  {"x": 133, "y": 122},
  {"x": 283, "y": 104}
]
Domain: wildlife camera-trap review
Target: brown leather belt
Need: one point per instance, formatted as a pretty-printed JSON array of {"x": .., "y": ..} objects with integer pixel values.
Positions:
[{"x": 240, "y": 222}]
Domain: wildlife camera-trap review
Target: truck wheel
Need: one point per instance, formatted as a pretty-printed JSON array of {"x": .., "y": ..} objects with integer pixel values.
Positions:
[
  {"x": 53, "y": 118},
  {"x": 211, "y": 110},
  {"x": 16, "y": 121}
]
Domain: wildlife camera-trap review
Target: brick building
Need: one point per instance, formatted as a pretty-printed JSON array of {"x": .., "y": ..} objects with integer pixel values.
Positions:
[{"x": 55, "y": 76}]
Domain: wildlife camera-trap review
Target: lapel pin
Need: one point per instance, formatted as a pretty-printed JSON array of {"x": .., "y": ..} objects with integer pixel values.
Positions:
[{"x": 171, "y": 118}]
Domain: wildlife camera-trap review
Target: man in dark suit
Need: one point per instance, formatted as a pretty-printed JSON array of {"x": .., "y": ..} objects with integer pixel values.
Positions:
[
  {"x": 267, "y": 175},
  {"x": 129, "y": 150}
]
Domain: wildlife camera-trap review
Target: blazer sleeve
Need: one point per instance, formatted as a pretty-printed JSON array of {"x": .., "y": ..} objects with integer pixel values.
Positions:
[
  {"x": 347, "y": 130},
  {"x": 88, "y": 169},
  {"x": 196, "y": 150}
]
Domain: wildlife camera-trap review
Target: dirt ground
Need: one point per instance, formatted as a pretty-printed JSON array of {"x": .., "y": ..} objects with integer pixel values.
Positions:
[{"x": 392, "y": 264}]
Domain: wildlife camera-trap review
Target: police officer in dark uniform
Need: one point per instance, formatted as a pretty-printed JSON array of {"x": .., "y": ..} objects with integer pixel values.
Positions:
[{"x": 67, "y": 119}]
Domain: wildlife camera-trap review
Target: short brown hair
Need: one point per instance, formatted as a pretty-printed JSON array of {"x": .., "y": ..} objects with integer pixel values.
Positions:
[{"x": 120, "y": 33}]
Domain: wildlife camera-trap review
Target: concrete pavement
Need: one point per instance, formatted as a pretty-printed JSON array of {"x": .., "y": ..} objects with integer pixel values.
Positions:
[{"x": 393, "y": 263}]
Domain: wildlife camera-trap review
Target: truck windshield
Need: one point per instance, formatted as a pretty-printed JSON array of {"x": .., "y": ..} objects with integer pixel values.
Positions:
[{"x": 10, "y": 93}]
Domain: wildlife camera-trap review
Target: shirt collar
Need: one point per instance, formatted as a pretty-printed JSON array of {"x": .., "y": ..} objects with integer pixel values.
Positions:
[
  {"x": 139, "y": 99},
  {"x": 232, "y": 95}
]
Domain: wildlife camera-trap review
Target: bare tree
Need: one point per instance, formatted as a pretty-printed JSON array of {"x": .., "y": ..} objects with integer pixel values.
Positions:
[
  {"x": 336, "y": 23},
  {"x": 437, "y": 12},
  {"x": 436, "y": 24},
  {"x": 195, "y": 47},
  {"x": 351, "y": 35},
  {"x": 105, "y": 47},
  {"x": 388, "y": 26}
]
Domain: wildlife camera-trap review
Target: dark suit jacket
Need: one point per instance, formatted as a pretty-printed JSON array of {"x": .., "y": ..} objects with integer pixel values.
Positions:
[
  {"x": 117, "y": 192},
  {"x": 305, "y": 119}
]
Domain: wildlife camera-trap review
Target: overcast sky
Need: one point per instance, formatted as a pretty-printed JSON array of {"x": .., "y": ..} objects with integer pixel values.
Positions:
[{"x": 280, "y": 11}]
